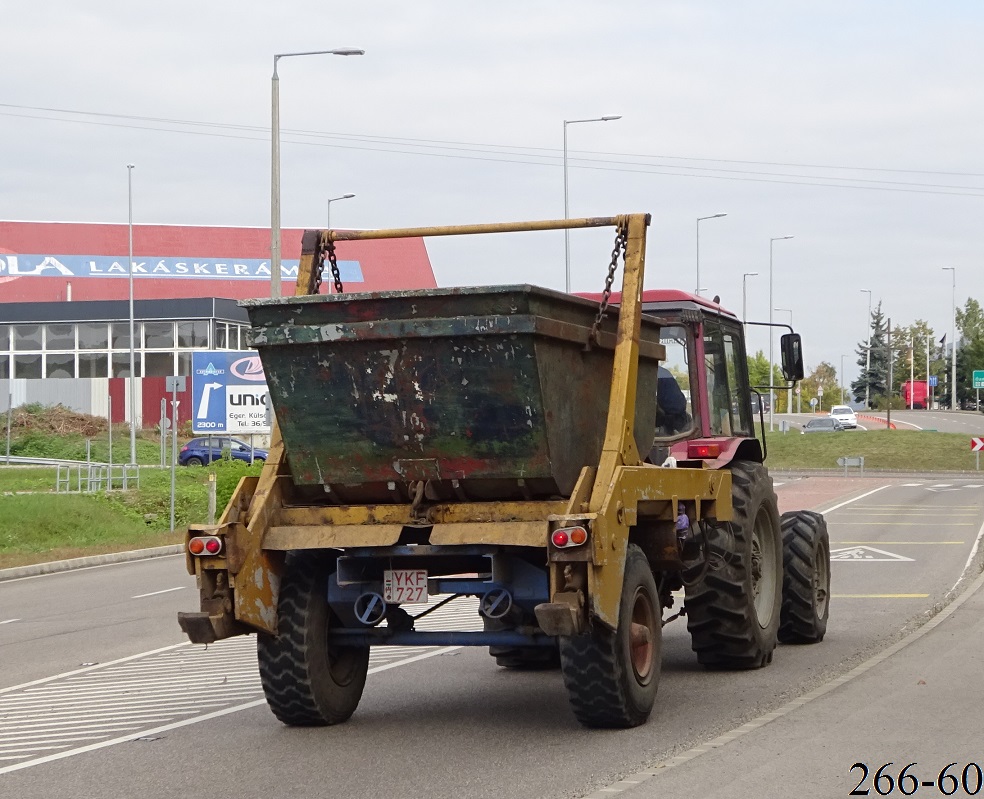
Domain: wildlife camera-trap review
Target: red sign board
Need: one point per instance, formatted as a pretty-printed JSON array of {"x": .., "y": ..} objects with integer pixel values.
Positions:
[{"x": 976, "y": 444}]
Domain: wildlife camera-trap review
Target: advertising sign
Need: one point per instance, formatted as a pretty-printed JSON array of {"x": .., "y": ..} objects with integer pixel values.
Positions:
[{"x": 228, "y": 393}]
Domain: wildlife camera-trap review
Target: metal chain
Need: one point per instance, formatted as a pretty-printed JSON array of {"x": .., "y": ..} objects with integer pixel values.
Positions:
[
  {"x": 621, "y": 240},
  {"x": 336, "y": 276}
]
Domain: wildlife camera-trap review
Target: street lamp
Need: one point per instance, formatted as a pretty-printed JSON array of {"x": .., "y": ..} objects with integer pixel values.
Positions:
[
  {"x": 699, "y": 220},
  {"x": 133, "y": 392},
  {"x": 842, "y": 379},
  {"x": 867, "y": 357},
  {"x": 332, "y": 200},
  {"x": 744, "y": 295},
  {"x": 953, "y": 340},
  {"x": 789, "y": 390},
  {"x": 275, "y": 162},
  {"x": 567, "y": 233},
  {"x": 772, "y": 398}
]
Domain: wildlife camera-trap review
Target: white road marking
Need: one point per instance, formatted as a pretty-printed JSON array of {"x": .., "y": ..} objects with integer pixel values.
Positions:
[
  {"x": 856, "y": 499},
  {"x": 9, "y": 621},
  {"x": 153, "y": 692},
  {"x": 855, "y": 554},
  {"x": 155, "y": 593}
]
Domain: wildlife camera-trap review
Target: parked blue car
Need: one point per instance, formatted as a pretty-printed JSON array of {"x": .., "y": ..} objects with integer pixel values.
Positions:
[{"x": 199, "y": 451}]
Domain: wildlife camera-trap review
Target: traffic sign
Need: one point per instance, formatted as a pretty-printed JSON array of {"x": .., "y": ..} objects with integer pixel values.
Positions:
[
  {"x": 976, "y": 444},
  {"x": 978, "y": 378},
  {"x": 819, "y": 391},
  {"x": 228, "y": 393},
  {"x": 934, "y": 381},
  {"x": 813, "y": 402}
]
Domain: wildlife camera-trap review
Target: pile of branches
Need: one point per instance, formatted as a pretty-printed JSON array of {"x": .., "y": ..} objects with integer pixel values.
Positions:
[{"x": 54, "y": 420}]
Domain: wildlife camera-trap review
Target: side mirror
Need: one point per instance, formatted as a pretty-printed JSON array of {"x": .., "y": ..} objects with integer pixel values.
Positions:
[{"x": 792, "y": 356}]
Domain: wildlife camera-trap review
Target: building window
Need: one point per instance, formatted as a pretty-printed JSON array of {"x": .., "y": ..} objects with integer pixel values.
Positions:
[
  {"x": 60, "y": 337},
  {"x": 4, "y": 338},
  {"x": 60, "y": 364},
  {"x": 4, "y": 367},
  {"x": 184, "y": 363},
  {"x": 221, "y": 336},
  {"x": 159, "y": 335},
  {"x": 121, "y": 364},
  {"x": 27, "y": 337},
  {"x": 193, "y": 334},
  {"x": 121, "y": 335},
  {"x": 94, "y": 364},
  {"x": 94, "y": 336},
  {"x": 27, "y": 366},
  {"x": 158, "y": 364}
]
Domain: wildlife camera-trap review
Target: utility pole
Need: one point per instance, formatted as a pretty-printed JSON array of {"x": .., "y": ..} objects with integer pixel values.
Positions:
[{"x": 888, "y": 424}]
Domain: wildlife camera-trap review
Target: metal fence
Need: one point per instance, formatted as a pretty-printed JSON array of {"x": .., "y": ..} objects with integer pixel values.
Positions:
[{"x": 89, "y": 478}]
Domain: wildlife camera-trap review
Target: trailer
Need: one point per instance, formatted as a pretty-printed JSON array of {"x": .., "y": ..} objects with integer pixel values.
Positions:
[{"x": 513, "y": 445}]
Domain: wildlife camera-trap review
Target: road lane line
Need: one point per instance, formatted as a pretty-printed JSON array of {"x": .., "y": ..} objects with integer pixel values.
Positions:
[
  {"x": 187, "y": 722},
  {"x": 904, "y": 543},
  {"x": 879, "y": 596},
  {"x": 856, "y": 499},
  {"x": 155, "y": 593},
  {"x": 970, "y": 559},
  {"x": 9, "y": 621}
]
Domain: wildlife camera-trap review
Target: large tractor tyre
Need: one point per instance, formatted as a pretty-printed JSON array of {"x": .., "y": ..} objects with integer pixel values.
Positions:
[
  {"x": 805, "y": 578},
  {"x": 612, "y": 677},
  {"x": 733, "y": 604},
  {"x": 308, "y": 683}
]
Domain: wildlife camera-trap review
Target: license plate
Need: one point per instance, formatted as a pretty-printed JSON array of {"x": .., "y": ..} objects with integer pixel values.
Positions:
[{"x": 405, "y": 585}]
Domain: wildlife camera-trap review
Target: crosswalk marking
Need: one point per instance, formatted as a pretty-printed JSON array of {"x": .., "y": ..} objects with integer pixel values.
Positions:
[{"x": 122, "y": 700}]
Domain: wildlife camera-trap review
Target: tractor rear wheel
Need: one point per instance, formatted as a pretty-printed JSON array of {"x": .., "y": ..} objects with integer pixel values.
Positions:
[
  {"x": 308, "y": 683},
  {"x": 805, "y": 578},
  {"x": 733, "y": 607},
  {"x": 612, "y": 677}
]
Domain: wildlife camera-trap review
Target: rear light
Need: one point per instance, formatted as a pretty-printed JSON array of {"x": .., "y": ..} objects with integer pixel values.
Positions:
[
  {"x": 569, "y": 537},
  {"x": 696, "y": 450},
  {"x": 205, "y": 545},
  {"x": 184, "y": 448}
]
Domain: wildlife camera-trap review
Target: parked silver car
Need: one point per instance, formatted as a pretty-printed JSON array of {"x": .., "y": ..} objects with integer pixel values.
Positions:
[{"x": 822, "y": 424}]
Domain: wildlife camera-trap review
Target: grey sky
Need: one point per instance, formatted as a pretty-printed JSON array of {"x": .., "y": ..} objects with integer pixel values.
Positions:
[{"x": 853, "y": 126}]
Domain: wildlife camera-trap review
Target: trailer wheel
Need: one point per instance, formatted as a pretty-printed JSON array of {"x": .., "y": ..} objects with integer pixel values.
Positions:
[
  {"x": 733, "y": 610},
  {"x": 805, "y": 578},
  {"x": 306, "y": 682},
  {"x": 612, "y": 677}
]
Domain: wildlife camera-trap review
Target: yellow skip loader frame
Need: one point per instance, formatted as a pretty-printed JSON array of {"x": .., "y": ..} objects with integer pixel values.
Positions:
[{"x": 619, "y": 498}]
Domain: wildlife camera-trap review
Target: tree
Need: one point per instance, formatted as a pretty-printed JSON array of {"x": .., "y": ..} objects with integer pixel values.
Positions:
[
  {"x": 875, "y": 378},
  {"x": 825, "y": 377},
  {"x": 970, "y": 354}
]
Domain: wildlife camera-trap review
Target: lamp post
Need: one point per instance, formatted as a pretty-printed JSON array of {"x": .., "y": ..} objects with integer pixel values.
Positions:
[
  {"x": 772, "y": 398},
  {"x": 699, "y": 220},
  {"x": 744, "y": 295},
  {"x": 789, "y": 390},
  {"x": 275, "y": 162},
  {"x": 567, "y": 233},
  {"x": 867, "y": 356},
  {"x": 332, "y": 200},
  {"x": 842, "y": 379},
  {"x": 133, "y": 383},
  {"x": 953, "y": 338}
]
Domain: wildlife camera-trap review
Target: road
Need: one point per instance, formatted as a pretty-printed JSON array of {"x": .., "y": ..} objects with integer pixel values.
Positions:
[
  {"x": 99, "y": 695},
  {"x": 969, "y": 422}
]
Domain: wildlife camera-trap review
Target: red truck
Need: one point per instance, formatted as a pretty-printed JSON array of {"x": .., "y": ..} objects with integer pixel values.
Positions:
[{"x": 915, "y": 393}]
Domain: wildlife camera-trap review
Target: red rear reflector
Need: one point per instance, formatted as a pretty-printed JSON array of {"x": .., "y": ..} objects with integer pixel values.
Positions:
[
  {"x": 560, "y": 538},
  {"x": 205, "y": 545},
  {"x": 698, "y": 450},
  {"x": 569, "y": 537}
]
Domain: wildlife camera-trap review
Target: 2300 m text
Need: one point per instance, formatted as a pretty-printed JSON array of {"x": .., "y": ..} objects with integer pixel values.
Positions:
[{"x": 954, "y": 779}]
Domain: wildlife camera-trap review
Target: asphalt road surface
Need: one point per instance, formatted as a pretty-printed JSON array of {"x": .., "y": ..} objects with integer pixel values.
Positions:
[{"x": 101, "y": 697}]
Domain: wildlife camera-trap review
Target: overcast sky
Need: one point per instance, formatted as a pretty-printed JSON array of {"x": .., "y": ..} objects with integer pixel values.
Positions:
[{"x": 855, "y": 127}]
